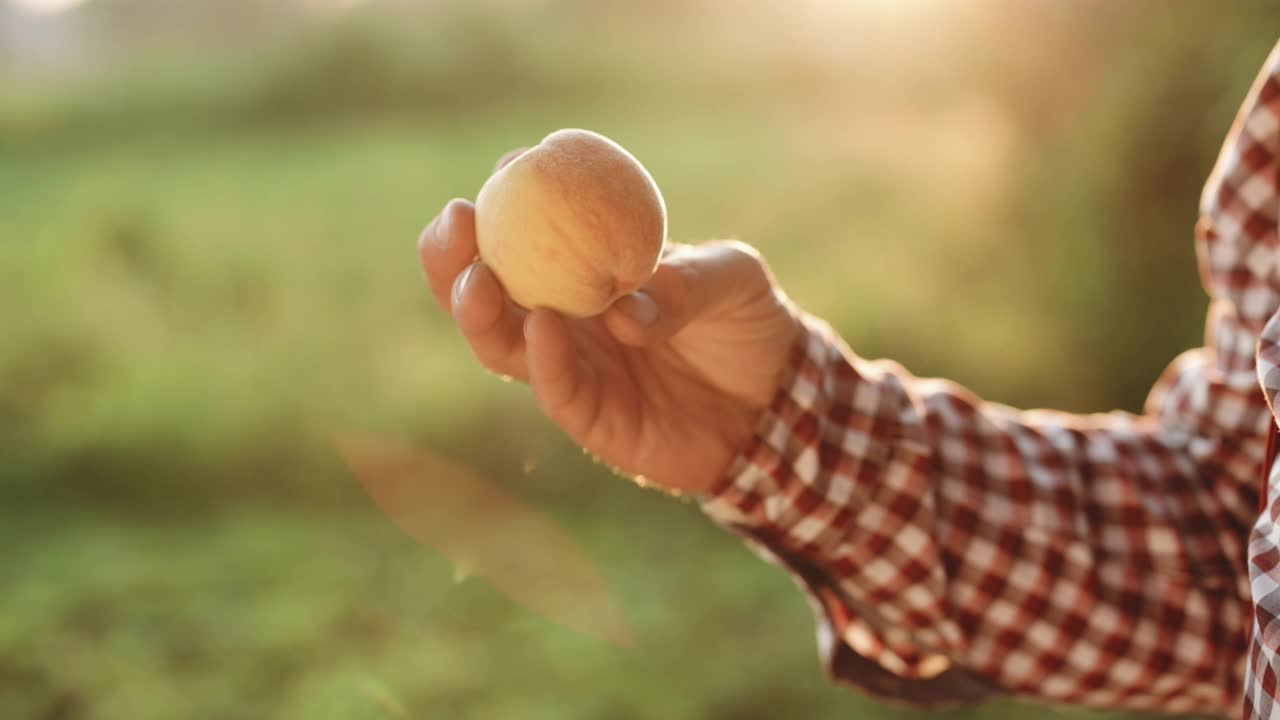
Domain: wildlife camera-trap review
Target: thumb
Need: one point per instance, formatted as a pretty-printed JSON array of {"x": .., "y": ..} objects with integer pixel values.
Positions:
[{"x": 691, "y": 281}]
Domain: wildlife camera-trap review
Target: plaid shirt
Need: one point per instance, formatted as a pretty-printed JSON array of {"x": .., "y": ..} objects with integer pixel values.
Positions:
[{"x": 954, "y": 549}]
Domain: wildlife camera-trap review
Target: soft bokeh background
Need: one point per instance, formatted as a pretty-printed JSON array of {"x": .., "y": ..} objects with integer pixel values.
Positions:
[{"x": 207, "y": 220}]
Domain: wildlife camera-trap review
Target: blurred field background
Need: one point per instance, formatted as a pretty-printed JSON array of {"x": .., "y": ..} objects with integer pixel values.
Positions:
[{"x": 208, "y": 212}]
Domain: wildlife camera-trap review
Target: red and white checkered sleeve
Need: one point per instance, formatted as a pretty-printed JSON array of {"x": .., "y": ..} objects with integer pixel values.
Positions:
[
  {"x": 1240, "y": 259},
  {"x": 955, "y": 548}
]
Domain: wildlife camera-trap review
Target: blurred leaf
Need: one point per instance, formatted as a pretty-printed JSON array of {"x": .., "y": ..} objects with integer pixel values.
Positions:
[{"x": 487, "y": 534}]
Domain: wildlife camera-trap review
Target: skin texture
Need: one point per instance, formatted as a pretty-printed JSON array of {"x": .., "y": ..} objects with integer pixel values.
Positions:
[
  {"x": 572, "y": 224},
  {"x": 665, "y": 384}
]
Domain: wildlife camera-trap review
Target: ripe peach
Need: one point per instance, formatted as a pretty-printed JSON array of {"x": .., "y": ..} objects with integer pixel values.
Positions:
[{"x": 572, "y": 224}]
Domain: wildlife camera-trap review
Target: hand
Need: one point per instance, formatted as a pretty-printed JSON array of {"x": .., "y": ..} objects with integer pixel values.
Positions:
[{"x": 666, "y": 384}]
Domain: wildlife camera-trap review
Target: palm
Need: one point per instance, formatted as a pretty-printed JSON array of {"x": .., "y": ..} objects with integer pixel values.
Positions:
[{"x": 676, "y": 411}]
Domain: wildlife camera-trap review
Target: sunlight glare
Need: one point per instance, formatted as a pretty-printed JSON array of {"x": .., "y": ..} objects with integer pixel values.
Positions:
[{"x": 47, "y": 7}]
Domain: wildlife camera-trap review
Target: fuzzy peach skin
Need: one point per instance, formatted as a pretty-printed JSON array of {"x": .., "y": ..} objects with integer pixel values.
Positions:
[{"x": 572, "y": 224}]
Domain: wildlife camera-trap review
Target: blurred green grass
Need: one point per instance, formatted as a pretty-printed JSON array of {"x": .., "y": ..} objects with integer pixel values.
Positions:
[{"x": 208, "y": 268}]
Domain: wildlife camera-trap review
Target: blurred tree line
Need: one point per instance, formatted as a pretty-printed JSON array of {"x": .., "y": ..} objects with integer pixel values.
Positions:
[{"x": 1118, "y": 110}]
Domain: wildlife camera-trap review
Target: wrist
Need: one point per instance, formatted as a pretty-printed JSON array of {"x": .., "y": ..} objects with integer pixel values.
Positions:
[{"x": 747, "y": 430}]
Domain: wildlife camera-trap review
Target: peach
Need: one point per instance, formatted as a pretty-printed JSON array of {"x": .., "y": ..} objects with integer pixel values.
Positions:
[{"x": 572, "y": 224}]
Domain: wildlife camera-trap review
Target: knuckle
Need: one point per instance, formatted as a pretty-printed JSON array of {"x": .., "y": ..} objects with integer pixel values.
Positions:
[
  {"x": 749, "y": 261},
  {"x": 743, "y": 262},
  {"x": 683, "y": 280},
  {"x": 740, "y": 249},
  {"x": 743, "y": 254},
  {"x": 454, "y": 208}
]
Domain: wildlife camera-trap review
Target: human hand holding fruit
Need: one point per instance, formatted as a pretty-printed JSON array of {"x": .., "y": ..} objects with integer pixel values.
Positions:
[{"x": 660, "y": 374}]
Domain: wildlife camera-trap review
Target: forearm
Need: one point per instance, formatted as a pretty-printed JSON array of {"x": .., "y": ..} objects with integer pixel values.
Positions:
[{"x": 1078, "y": 558}]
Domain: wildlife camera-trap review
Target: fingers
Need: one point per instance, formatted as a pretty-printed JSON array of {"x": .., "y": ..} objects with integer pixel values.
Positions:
[
  {"x": 690, "y": 282},
  {"x": 447, "y": 246},
  {"x": 560, "y": 381},
  {"x": 449, "y": 242},
  {"x": 492, "y": 325},
  {"x": 490, "y": 322}
]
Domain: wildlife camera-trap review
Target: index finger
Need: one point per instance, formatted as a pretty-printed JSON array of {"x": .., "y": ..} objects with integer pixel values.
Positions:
[{"x": 446, "y": 247}]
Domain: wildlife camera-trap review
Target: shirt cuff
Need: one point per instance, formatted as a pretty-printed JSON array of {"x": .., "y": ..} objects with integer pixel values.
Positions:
[
  {"x": 768, "y": 497},
  {"x": 738, "y": 498}
]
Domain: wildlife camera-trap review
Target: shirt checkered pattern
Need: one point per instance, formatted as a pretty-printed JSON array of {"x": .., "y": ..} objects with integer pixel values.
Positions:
[{"x": 954, "y": 548}]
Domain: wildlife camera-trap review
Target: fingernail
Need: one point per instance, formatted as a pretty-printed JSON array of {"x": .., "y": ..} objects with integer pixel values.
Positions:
[
  {"x": 641, "y": 308},
  {"x": 460, "y": 285}
]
